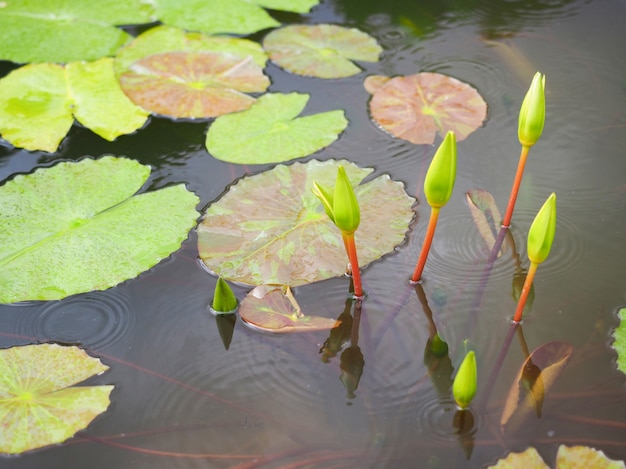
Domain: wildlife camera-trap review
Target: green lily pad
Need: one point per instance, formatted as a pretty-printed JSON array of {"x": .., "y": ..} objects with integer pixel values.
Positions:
[
  {"x": 270, "y": 229},
  {"x": 76, "y": 227},
  {"x": 620, "y": 341},
  {"x": 269, "y": 131},
  {"x": 321, "y": 50},
  {"x": 37, "y": 408},
  {"x": 223, "y": 16},
  {"x": 38, "y": 103},
  {"x": 574, "y": 457},
  {"x": 162, "y": 39},
  {"x": 193, "y": 84},
  {"x": 417, "y": 107},
  {"x": 62, "y": 31},
  {"x": 272, "y": 308}
]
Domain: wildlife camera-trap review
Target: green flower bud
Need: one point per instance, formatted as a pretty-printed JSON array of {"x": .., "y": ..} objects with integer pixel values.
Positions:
[
  {"x": 224, "y": 300},
  {"x": 345, "y": 206},
  {"x": 325, "y": 194},
  {"x": 532, "y": 114},
  {"x": 465, "y": 381},
  {"x": 541, "y": 233},
  {"x": 441, "y": 173}
]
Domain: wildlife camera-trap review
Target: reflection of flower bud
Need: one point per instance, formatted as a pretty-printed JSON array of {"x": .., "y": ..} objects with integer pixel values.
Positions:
[
  {"x": 541, "y": 232},
  {"x": 441, "y": 173},
  {"x": 533, "y": 112},
  {"x": 351, "y": 364},
  {"x": 341, "y": 206},
  {"x": 224, "y": 300},
  {"x": 465, "y": 382}
]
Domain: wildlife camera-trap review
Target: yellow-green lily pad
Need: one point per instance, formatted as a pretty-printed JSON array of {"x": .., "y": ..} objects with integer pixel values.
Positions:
[
  {"x": 620, "y": 341},
  {"x": 37, "y": 405}
]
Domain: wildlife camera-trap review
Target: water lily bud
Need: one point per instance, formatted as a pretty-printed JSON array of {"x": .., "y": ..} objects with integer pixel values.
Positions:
[
  {"x": 224, "y": 300},
  {"x": 441, "y": 173},
  {"x": 532, "y": 114},
  {"x": 325, "y": 194},
  {"x": 465, "y": 382},
  {"x": 541, "y": 233},
  {"x": 345, "y": 205}
]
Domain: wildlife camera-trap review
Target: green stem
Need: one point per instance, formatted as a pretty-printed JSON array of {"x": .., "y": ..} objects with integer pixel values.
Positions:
[
  {"x": 515, "y": 189},
  {"x": 430, "y": 232},
  {"x": 525, "y": 290},
  {"x": 348, "y": 240}
]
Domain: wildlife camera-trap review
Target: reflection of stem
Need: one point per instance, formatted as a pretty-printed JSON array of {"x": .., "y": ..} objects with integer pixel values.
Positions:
[
  {"x": 427, "y": 311},
  {"x": 528, "y": 283},
  {"x": 522, "y": 342},
  {"x": 500, "y": 360},
  {"x": 348, "y": 240},
  {"x": 515, "y": 189},
  {"x": 428, "y": 239},
  {"x": 356, "y": 321}
]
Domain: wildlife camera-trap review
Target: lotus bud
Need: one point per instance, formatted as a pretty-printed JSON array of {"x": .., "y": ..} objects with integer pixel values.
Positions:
[
  {"x": 345, "y": 205},
  {"x": 441, "y": 173},
  {"x": 541, "y": 233},
  {"x": 224, "y": 300},
  {"x": 325, "y": 194},
  {"x": 533, "y": 112},
  {"x": 465, "y": 382}
]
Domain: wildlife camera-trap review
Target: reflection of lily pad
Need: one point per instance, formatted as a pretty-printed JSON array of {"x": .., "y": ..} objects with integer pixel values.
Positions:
[
  {"x": 269, "y": 132},
  {"x": 417, "y": 107},
  {"x": 66, "y": 31},
  {"x": 322, "y": 50},
  {"x": 37, "y": 408},
  {"x": 271, "y": 229},
  {"x": 162, "y": 39},
  {"x": 274, "y": 309},
  {"x": 193, "y": 84},
  {"x": 76, "y": 227},
  {"x": 38, "y": 104}
]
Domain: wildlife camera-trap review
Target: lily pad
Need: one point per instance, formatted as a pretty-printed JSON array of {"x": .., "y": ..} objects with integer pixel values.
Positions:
[
  {"x": 76, "y": 227},
  {"x": 269, "y": 131},
  {"x": 620, "y": 341},
  {"x": 321, "y": 50},
  {"x": 417, "y": 107},
  {"x": 38, "y": 103},
  {"x": 193, "y": 84},
  {"x": 525, "y": 460},
  {"x": 271, "y": 229},
  {"x": 62, "y": 31},
  {"x": 272, "y": 308},
  {"x": 163, "y": 39},
  {"x": 37, "y": 408},
  {"x": 583, "y": 457}
]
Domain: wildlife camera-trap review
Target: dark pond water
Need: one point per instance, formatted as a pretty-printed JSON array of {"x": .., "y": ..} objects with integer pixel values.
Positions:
[{"x": 182, "y": 400}]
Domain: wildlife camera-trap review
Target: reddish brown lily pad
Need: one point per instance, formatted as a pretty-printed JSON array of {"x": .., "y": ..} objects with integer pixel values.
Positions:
[
  {"x": 272, "y": 308},
  {"x": 417, "y": 107},
  {"x": 193, "y": 84}
]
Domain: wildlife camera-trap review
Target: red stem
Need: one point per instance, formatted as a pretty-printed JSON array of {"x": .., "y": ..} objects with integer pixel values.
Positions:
[
  {"x": 430, "y": 232},
  {"x": 525, "y": 290},
  {"x": 348, "y": 240},
  {"x": 515, "y": 189}
]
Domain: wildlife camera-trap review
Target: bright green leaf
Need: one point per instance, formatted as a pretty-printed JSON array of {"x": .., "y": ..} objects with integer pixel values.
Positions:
[
  {"x": 296, "y": 6},
  {"x": 37, "y": 408},
  {"x": 76, "y": 227},
  {"x": 65, "y": 31},
  {"x": 620, "y": 341},
  {"x": 271, "y": 229},
  {"x": 269, "y": 131},
  {"x": 322, "y": 50}
]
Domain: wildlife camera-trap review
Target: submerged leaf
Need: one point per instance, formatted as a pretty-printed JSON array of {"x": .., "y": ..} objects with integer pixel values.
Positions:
[
  {"x": 271, "y": 229},
  {"x": 193, "y": 84},
  {"x": 417, "y": 107},
  {"x": 486, "y": 216},
  {"x": 274, "y": 309},
  {"x": 37, "y": 408},
  {"x": 269, "y": 131},
  {"x": 76, "y": 227},
  {"x": 321, "y": 50}
]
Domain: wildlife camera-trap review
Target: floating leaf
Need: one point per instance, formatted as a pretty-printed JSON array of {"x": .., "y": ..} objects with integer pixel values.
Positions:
[
  {"x": 62, "y": 31},
  {"x": 76, "y": 227},
  {"x": 37, "y": 408},
  {"x": 534, "y": 380},
  {"x": 526, "y": 460},
  {"x": 38, "y": 104},
  {"x": 417, "y": 107},
  {"x": 272, "y": 308},
  {"x": 269, "y": 131},
  {"x": 163, "y": 39},
  {"x": 583, "y": 457},
  {"x": 374, "y": 82},
  {"x": 321, "y": 50},
  {"x": 193, "y": 84},
  {"x": 486, "y": 216},
  {"x": 271, "y": 229},
  {"x": 620, "y": 341}
]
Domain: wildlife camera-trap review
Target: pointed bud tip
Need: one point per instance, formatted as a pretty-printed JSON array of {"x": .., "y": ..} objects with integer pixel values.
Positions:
[
  {"x": 441, "y": 175},
  {"x": 224, "y": 300},
  {"x": 465, "y": 381},
  {"x": 542, "y": 231}
]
